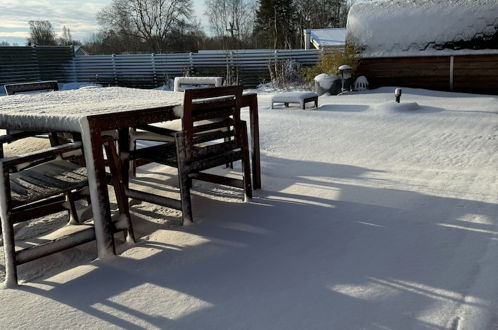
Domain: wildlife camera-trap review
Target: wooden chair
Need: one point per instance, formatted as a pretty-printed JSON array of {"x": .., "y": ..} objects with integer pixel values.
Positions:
[
  {"x": 162, "y": 134},
  {"x": 213, "y": 135},
  {"x": 40, "y": 190},
  {"x": 32, "y": 87}
]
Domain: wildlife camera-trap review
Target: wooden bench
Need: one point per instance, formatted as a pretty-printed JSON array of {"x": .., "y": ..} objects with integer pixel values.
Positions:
[
  {"x": 37, "y": 86},
  {"x": 295, "y": 97}
]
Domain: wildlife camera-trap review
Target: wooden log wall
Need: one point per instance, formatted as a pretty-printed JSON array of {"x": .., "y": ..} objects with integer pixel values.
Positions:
[{"x": 467, "y": 73}]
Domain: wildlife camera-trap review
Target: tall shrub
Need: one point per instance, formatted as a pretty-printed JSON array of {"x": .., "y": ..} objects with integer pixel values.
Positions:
[{"x": 330, "y": 63}]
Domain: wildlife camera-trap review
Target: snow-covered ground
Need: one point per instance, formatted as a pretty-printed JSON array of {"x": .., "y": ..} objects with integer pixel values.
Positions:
[{"x": 373, "y": 215}]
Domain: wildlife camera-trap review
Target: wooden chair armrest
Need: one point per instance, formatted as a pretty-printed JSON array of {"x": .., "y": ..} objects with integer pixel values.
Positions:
[
  {"x": 158, "y": 130},
  {"x": 34, "y": 156},
  {"x": 17, "y": 136}
]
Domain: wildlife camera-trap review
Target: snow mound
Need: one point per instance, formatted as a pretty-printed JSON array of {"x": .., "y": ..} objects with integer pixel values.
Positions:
[
  {"x": 398, "y": 107},
  {"x": 78, "y": 85},
  {"x": 412, "y": 27}
]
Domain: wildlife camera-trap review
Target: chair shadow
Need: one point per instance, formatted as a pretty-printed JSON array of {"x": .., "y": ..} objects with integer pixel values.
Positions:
[
  {"x": 292, "y": 259},
  {"x": 343, "y": 107}
]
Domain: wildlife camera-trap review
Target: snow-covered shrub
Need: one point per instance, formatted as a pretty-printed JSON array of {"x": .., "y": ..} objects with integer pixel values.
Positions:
[
  {"x": 284, "y": 74},
  {"x": 330, "y": 63}
]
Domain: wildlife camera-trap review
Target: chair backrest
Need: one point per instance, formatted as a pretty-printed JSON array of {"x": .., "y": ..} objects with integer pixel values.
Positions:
[
  {"x": 211, "y": 120},
  {"x": 12, "y": 89},
  {"x": 196, "y": 82}
]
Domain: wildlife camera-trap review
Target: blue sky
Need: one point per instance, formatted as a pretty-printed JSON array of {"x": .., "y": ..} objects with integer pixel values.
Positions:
[{"x": 77, "y": 15}]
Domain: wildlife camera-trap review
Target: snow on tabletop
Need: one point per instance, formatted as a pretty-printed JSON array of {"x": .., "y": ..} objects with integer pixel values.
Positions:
[
  {"x": 63, "y": 110},
  {"x": 408, "y": 27},
  {"x": 368, "y": 218}
]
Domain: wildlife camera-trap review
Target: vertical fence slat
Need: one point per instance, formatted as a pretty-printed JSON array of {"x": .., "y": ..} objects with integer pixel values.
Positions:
[{"x": 452, "y": 65}]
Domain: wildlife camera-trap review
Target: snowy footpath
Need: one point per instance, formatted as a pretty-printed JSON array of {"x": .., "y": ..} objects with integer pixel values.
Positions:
[{"x": 373, "y": 215}]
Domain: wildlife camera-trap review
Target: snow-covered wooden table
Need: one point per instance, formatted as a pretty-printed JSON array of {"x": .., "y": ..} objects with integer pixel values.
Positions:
[{"x": 90, "y": 111}]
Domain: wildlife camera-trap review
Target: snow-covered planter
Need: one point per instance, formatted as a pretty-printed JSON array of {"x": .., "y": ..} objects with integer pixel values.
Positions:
[{"x": 323, "y": 83}]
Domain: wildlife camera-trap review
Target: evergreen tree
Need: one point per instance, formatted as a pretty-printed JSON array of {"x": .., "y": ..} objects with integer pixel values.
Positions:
[{"x": 274, "y": 25}]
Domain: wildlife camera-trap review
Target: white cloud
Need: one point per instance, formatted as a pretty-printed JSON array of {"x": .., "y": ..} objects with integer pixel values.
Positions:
[
  {"x": 76, "y": 15},
  {"x": 13, "y": 34}
]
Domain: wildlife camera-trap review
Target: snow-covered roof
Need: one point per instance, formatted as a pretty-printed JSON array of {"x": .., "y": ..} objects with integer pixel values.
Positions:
[
  {"x": 412, "y": 27},
  {"x": 327, "y": 37},
  {"x": 78, "y": 51}
]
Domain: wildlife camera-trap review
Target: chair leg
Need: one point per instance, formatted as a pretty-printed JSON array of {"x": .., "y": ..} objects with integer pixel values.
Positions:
[
  {"x": 186, "y": 198},
  {"x": 246, "y": 166},
  {"x": 133, "y": 147},
  {"x": 9, "y": 252},
  {"x": 184, "y": 181},
  {"x": 227, "y": 139},
  {"x": 7, "y": 235},
  {"x": 54, "y": 139},
  {"x": 117, "y": 182},
  {"x": 73, "y": 214}
]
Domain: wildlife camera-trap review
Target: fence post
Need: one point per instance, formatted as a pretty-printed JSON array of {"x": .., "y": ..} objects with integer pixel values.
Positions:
[
  {"x": 234, "y": 78},
  {"x": 452, "y": 64},
  {"x": 73, "y": 68},
  {"x": 191, "y": 63},
  {"x": 115, "y": 74},
  {"x": 154, "y": 73}
]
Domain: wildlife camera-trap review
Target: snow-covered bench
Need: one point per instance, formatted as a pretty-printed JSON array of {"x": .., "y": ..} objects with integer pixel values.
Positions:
[
  {"x": 196, "y": 82},
  {"x": 295, "y": 97}
]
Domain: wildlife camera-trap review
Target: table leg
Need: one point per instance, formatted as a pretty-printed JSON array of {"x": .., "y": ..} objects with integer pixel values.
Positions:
[
  {"x": 255, "y": 153},
  {"x": 97, "y": 181}
]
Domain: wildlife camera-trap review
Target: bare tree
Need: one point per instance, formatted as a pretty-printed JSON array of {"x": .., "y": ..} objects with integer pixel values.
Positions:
[
  {"x": 232, "y": 18},
  {"x": 66, "y": 39},
  {"x": 41, "y": 33},
  {"x": 149, "y": 20}
]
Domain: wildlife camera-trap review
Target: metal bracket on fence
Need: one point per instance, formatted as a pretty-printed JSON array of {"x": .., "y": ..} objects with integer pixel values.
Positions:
[
  {"x": 114, "y": 72},
  {"x": 153, "y": 61}
]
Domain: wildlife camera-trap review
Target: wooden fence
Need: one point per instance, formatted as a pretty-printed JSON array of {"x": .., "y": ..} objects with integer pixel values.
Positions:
[
  {"x": 21, "y": 64},
  {"x": 466, "y": 73},
  {"x": 469, "y": 73},
  {"x": 248, "y": 67}
]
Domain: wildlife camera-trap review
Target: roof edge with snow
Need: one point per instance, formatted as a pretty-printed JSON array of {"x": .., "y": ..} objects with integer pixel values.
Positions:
[{"x": 428, "y": 27}]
